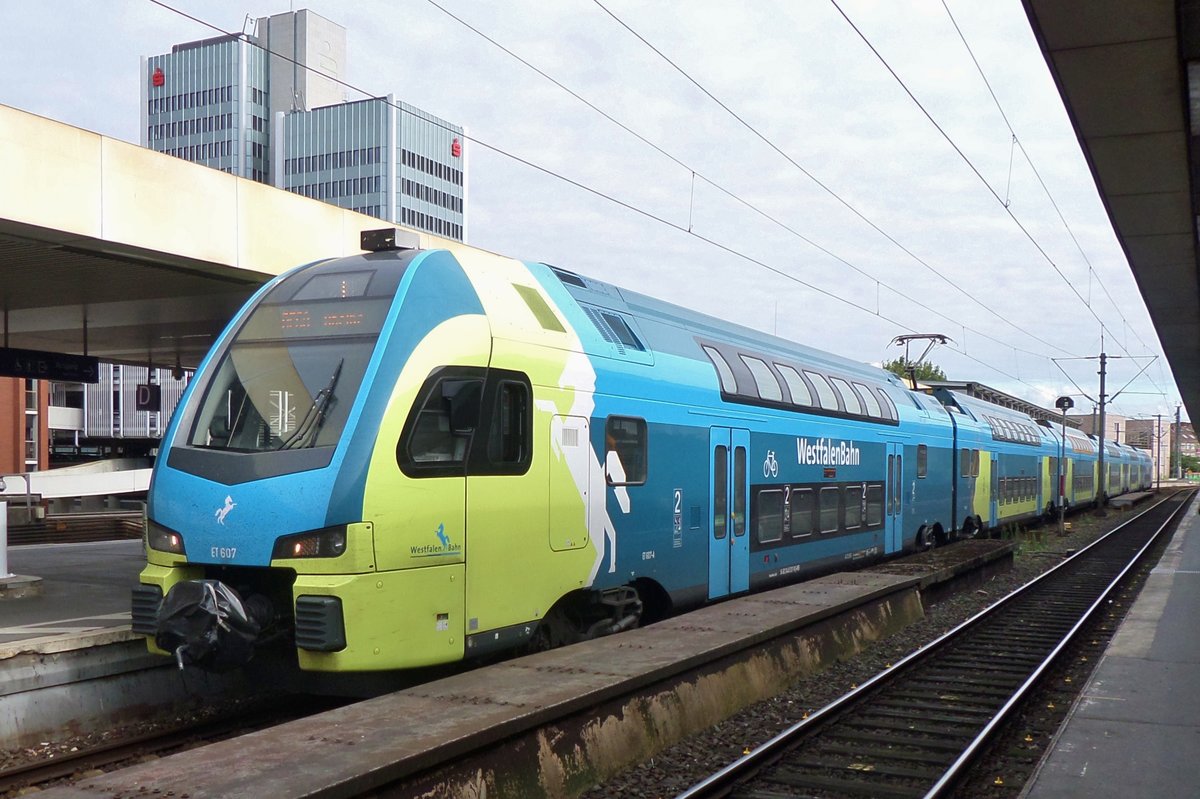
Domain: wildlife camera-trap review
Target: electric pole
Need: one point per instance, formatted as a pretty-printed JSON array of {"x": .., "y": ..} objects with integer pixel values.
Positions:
[
  {"x": 1158, "y": 448},
  {"x": 1102, "y": 496},
  {"x": 1178, "y": 445}
]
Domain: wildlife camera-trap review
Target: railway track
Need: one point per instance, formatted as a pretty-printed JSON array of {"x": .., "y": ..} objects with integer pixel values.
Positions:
[{"x": 914, "y": 730}]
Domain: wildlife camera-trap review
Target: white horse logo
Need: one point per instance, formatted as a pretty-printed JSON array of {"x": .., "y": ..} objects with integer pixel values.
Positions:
[{"x": 223, "y": 512}]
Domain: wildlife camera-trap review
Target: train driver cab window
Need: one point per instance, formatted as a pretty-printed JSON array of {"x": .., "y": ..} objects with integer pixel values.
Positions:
[
  {"x": 922, "y": 460},
  {"x": 625, "y": 450},
  {"x": 438, "y": 434}
]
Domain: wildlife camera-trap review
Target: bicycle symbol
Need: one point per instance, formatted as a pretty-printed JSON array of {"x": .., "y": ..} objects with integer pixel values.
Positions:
[{"x": 770, "y": 465}]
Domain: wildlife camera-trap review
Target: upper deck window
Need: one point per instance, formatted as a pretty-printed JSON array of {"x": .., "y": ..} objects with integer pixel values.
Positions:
[
  {"x": 764, "y": 379},
  {"x": 825, "y": 393},
  {"x": 849, "y": 399},
  {"x": 728, "y": 383},
  {"x": 796, "y": 385}
]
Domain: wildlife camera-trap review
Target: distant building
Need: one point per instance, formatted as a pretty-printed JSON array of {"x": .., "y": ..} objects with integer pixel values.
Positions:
[
  {"x": 268, "y": 106},
  {"x": 1116, "y": 427},
  {"x": 24, "y": 425},
  {"x": 1186, "y": 434},
  {"x": 90, "y": 421},
  {"x": 1155, "y": 438},
  {"x": 206, "y": 102},
  {"x": 379, "y": 157}
]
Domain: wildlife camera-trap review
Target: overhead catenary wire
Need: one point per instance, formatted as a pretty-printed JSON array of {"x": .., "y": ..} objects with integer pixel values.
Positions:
[
  {"x": 970, "y": 164},
  {"x": 595, "y": 192},
  {"x": 694, "y": 173},
  {"x": 1037, "y": 174},
  {"x": 822, "y": 185}
]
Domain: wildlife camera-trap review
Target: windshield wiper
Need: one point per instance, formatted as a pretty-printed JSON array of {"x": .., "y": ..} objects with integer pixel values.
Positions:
[{"x": 305, "y": 434}]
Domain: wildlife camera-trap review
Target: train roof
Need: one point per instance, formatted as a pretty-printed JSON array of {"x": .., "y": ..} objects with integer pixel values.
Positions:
[{"x": 592, "y": 292}]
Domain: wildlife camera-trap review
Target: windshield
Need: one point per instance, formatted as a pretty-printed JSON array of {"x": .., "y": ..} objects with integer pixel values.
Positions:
[{"x": 291, "y": 374}]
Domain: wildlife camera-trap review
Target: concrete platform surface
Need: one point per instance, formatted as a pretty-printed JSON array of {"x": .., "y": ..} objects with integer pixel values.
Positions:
[
  {"x": 1135, "y": 729},
  {"x": 366, "y": 745},
  {"x": 84, "y": 588}
]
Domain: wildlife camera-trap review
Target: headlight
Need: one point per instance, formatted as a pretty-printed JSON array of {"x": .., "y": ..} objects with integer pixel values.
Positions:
[
  {"x": 327, "y": 543},
  {"x": 162, "y": 539}
]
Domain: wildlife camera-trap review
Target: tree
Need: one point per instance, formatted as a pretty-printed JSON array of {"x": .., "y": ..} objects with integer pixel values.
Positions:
[{"x": 925, "y": 370}]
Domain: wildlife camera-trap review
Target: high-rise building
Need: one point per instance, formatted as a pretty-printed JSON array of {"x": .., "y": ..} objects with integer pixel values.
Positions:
[
  {"x": 380, "y": 157},
  {"x": 207, "y": 102},
  {"x": 269, "y": 106}
]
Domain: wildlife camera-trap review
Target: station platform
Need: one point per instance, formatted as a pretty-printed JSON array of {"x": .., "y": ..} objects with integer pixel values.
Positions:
[
  {"x": 570, "y": 716},
  {"x": 85, "y": 591},
  {"x": 1135, "y": 729}
]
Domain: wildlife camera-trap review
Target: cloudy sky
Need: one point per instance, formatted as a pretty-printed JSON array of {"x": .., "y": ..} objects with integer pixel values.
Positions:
[{"x": 833, "y": 213}]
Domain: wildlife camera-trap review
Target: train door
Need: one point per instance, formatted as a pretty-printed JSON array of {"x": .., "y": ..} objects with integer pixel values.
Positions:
[
  {"x": 893, "y": 524},
  {"x": 994, "y": 504},
  {"x": 728, "y": 543}
]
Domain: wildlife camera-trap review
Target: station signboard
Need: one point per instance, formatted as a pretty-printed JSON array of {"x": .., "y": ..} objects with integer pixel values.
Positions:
[{"x": 39, "y": 365}]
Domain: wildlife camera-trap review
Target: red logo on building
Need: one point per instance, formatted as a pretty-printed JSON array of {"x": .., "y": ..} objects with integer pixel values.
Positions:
[
  {"x": 455, "y": 148},
  {"x": 157, "y": 78}
]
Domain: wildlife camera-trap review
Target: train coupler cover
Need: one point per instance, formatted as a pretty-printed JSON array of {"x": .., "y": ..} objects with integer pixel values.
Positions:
[{"x": 206, "y": 624}]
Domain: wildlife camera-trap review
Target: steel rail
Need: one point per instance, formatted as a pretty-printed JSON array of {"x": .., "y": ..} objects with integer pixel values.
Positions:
[
  {"x": 959, "y": 766},
  {"x": 767, "y": 754}
]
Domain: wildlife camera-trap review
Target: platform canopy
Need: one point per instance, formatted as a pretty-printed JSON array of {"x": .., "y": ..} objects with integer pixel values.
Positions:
[
  {"x": 133, "y": 256},
  {"x": 1127, "y": 71}
]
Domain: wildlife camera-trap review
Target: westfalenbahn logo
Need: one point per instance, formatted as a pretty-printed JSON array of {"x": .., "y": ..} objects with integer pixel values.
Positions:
[
  {"x": 824, "y": 452},
  {"x": 441, "y": 549}
]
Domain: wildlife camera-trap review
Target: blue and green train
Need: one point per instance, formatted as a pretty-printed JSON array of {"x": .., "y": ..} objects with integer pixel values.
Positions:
[{"x": 412, "y": 457}]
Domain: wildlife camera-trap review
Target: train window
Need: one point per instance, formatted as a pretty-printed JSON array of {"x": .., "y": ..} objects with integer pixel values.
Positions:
[
  {"x": 825, "y": 395},
  {"x": 874, "y": 505},
  {"x": 720, "y": 490},
  {"x": 728, "y": 383},
  {"x": 964, "y": 466},
  {"x": 803, "y": 505},
  {"x": 739, "y": 491},
  {"x": 888, "y": 407},
  {"x": 830, "y": 496},
  {"x": 764, "y": 379},
  {"x": 768, "y": 515},
  {"x": 853, "y": 507},
  {"x": 974, "y": 463},
  {"x": 509, "y": 436},
  {"x": 796, "y": 385},
  {"x": 870, "y": 400},
  {"x": 922, "y": 460},
  {"x": 849, "y": 398},
  {"x": 437, "y": 437},
  {"x": 625, "y": 450}
]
